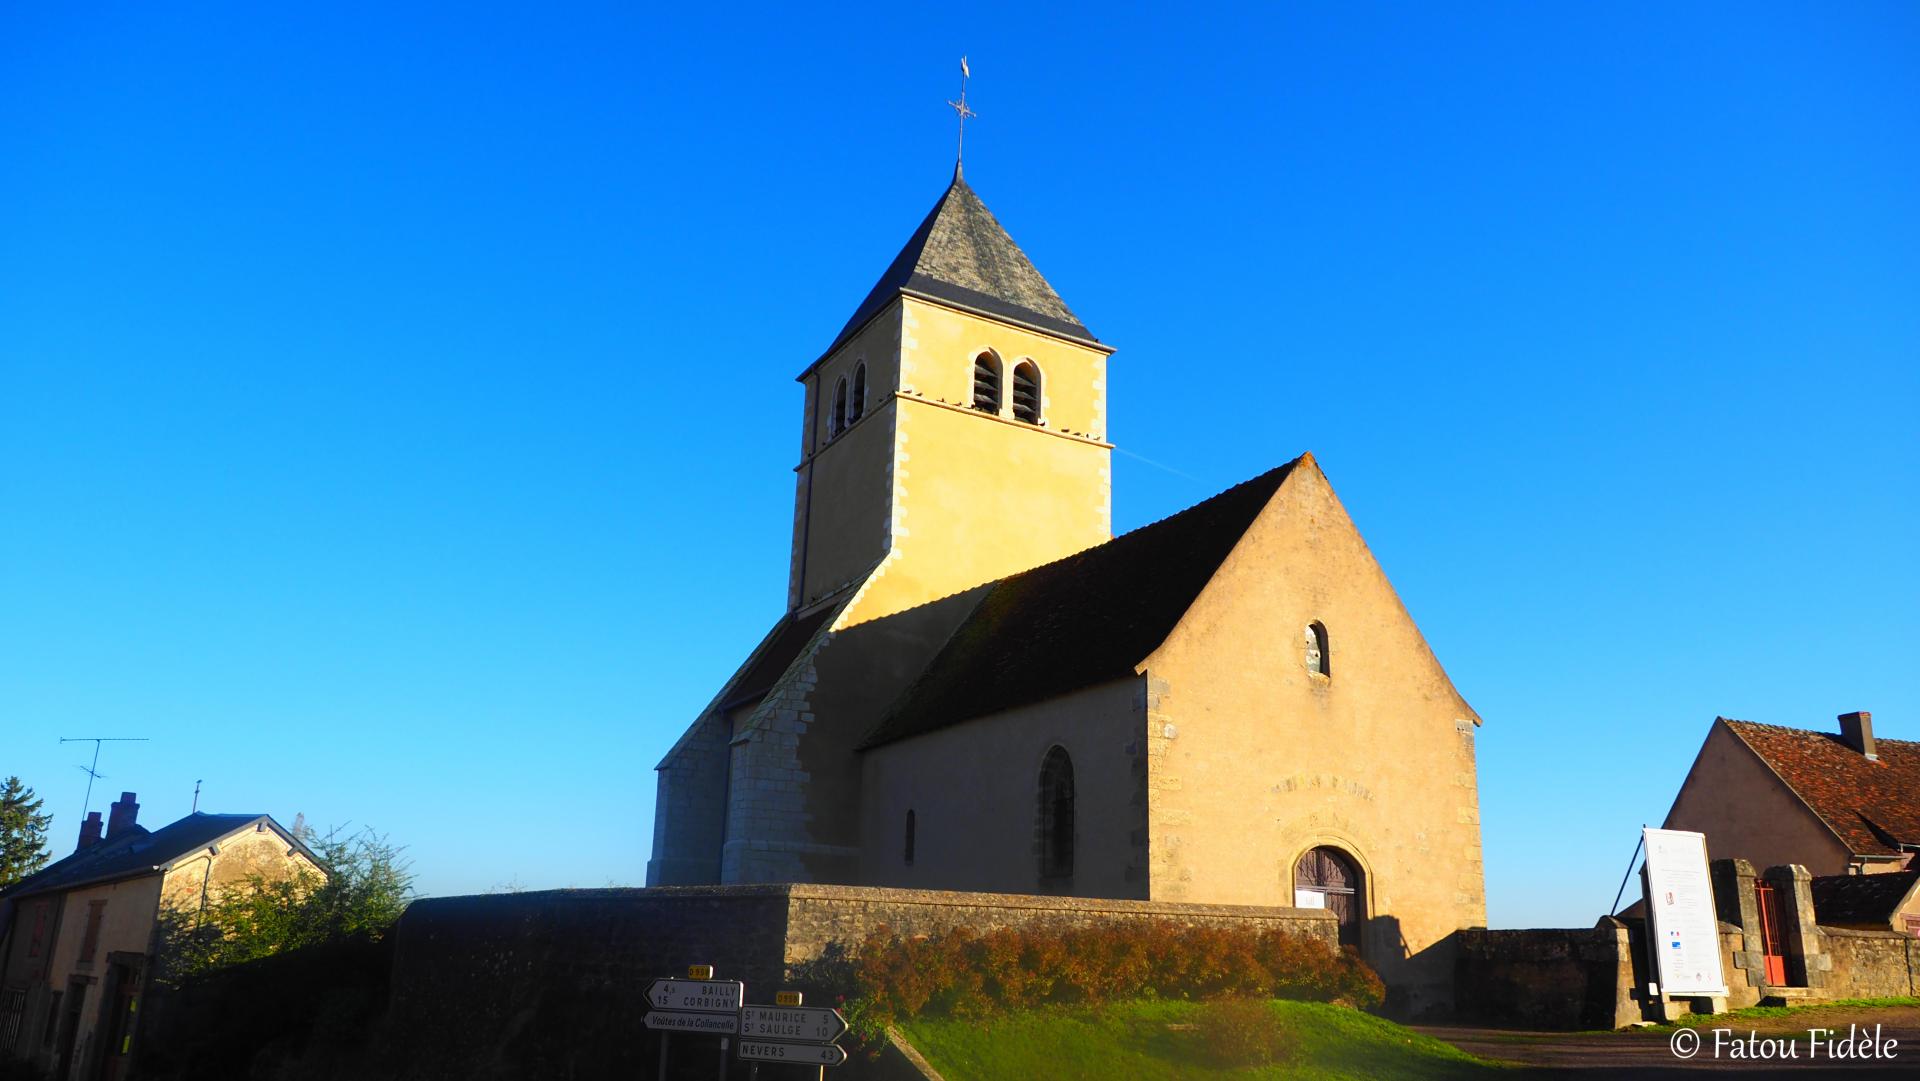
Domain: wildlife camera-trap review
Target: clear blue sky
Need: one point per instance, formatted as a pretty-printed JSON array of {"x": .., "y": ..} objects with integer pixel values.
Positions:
[{"x": 397, "y": 407}]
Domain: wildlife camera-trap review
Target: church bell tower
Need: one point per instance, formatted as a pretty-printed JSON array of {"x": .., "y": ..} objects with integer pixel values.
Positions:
[{"x": 955, "y": 431}]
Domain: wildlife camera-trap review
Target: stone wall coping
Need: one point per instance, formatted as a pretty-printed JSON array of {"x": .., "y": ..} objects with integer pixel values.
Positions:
[
  {"x": 1034, "y": 901},
  {"x": 1865, "y": 932},
  {"x": 892, "y": 896},
  {"x": 1606, "y": 931}
]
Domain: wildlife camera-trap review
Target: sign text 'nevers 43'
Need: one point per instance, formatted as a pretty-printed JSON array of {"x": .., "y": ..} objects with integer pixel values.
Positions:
[{"x": 810, "y": 1054}]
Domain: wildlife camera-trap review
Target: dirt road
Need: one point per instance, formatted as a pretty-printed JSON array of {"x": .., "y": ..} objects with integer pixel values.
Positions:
[{"x": 1886, "y": 1043}]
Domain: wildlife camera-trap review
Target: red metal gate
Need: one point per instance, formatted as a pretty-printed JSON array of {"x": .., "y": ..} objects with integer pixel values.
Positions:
[{"x": 1772, "y": 946}]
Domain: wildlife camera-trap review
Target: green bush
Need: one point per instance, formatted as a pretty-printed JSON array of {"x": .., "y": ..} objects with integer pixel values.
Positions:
[
  {"x": 1234, "y": 1032},
  {"x": 365, "y": 887},
  {"x": 965, "y": 974}
]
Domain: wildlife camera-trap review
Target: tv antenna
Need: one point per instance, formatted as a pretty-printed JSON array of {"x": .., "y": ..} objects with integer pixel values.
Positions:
[{"x": 93, "y": 771}]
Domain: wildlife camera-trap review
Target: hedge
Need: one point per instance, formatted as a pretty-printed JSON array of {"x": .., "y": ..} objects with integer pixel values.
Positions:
[{"x": 966, "y": 974}]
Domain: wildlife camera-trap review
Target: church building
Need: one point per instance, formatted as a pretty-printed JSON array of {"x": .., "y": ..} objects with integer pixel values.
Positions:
[{"x": 976, "y": 686}]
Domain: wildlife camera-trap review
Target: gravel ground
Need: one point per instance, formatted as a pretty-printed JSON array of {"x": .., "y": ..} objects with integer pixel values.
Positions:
[{"x": 1652, "y": 1055}]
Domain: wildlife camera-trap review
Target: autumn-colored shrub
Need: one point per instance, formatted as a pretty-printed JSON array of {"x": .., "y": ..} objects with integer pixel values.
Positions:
[{"x": 962, "y": 973}]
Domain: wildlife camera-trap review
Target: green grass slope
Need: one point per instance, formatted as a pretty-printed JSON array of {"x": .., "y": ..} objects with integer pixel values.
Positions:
[{"x": 1144, "y": 1041}]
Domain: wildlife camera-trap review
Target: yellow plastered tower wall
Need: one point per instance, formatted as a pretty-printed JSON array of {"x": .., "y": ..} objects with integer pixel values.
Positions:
[{"x": 911, "y": 487}]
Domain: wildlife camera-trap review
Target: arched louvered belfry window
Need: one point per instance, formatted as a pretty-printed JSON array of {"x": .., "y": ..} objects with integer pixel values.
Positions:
[
  {"x": 910, "y": 824},
  {"x": 837, "y": 420},
  {"x": 857, "y": 408},
  {"x": 1026, "y": 392},
  {"x": 986, "y": 383},
  {"x": 1056, "y": 825},
  {"x": 1318, "y": 658}
]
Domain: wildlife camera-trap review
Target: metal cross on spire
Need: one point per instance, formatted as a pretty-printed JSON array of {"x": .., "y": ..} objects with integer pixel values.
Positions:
[{"x": 961, "y": 110}]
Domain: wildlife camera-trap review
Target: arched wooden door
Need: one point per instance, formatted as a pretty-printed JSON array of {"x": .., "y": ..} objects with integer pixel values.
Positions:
[{"x": 1328, "y": 878}]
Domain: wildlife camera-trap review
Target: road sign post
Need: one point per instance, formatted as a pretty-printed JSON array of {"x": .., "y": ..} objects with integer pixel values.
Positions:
[
  {"x": 792, "y": 1034},
  {"x": 698, "y": 1005},
  {"x": 801, "y": 1024}
]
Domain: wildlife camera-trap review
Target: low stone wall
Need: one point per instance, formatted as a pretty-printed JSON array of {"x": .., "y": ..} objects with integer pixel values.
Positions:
[
  {"x": 1872, "y": 964},
  {"x": 552, "y": 984},
  {"x": 1553, "y": 978}
]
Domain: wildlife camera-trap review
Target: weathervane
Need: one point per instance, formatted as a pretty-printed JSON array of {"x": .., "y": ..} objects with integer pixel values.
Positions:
[{"x": 961, "y": 110}]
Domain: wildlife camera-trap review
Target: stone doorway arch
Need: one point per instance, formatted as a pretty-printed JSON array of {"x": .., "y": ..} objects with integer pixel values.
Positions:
[{"x": 1328, "y": 878}]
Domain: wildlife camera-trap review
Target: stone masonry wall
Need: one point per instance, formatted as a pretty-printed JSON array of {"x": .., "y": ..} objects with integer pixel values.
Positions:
[
  {"x": 690, "y": 808},
  {"x": 1553, "y": 978},
  {"x": 553, "y": 984},
  {"x": 1872, "y": 964},
  {"x": 821, "y": 915}
]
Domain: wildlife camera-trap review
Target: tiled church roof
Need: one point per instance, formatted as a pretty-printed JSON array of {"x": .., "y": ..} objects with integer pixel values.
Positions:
[
  {"x": 1873, "y": 806},
  {"x": 1079, "y": 621},
  {"x": 961, "y": 255}
]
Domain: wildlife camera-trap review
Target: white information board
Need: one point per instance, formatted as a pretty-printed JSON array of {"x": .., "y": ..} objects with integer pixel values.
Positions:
[{"x": 1683, "y": 928}]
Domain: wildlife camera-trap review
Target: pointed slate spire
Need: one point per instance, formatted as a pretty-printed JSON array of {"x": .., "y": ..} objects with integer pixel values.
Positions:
[{"x": 961, "y": 256}]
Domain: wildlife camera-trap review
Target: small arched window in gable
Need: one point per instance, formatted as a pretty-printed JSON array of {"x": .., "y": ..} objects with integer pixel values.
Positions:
[
  {"x": 986, "y": 383},
  {"x": 1317, "y": 654},
  {"x": 1026, "y": 392},
  {"x": 909, "y": 838},
  {"x": 1056, "y": 815},
  {"x": 837, "y": 420},
  {"x": 857, "y": 408}
]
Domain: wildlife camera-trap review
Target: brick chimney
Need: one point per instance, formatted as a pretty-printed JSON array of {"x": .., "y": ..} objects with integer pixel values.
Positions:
[
  {"x": 1856, "y": 731},
  {"x": 89, "y": 831},
  {"x": 121, "y": 816}
]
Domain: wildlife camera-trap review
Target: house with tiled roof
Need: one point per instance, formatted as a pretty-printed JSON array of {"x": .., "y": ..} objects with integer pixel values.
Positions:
[
  {"x": 1837, "y": 803},
  {"x": 976, "y": 686},
  {"x": 79, "y": 939}
]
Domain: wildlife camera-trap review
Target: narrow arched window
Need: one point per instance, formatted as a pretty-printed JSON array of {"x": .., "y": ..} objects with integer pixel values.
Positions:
[
  {"x": 1026, "y": 392},
  {"x": 857, "y": 408},
  {"x": 986, "y": 383},
  {"x": 909, "y": 838},
  {"x": 837, "y": 421},
  {"x": 1056, "y": 815},
  {"x": 1317, "y": 656}
]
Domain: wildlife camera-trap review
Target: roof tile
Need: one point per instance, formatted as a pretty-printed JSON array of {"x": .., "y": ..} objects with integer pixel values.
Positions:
[
  {"x": 1087, "y": 619},
  {"x": 960, "y": 254},
  {"x": 1874, "y": 806}
]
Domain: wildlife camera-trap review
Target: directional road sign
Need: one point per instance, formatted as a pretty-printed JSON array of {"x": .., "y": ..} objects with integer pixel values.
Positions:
[
  {"x": 697, "y": 996},
  {"x": 806, "y": 1054},
  {"x": 670, "y": 1021},
  {"x": 794, "y": 1024}
]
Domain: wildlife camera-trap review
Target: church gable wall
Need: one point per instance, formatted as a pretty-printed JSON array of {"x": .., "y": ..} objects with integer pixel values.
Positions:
[
  {"x": 974, "y": 789},
  {"x": 1255, "y": 760}
]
